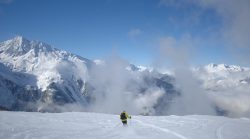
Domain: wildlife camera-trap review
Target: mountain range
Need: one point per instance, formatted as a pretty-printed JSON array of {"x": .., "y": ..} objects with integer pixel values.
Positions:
[{"x": 34, "y": 76}]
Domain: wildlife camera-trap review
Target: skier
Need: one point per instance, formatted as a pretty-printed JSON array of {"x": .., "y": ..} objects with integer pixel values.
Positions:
[{"x": 124, "y": 116}]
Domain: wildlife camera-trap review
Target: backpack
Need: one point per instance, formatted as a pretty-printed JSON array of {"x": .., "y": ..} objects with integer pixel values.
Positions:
[{"x": 123, "y": 116}]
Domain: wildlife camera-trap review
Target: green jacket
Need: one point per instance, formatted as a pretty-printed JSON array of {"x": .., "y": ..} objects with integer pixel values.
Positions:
[{"x": 126, "y": 116}]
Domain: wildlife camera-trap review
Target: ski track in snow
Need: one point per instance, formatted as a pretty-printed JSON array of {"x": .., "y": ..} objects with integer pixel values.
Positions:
[
  {"x": 79, "y": 125},
  {"x": 162, "y": 129},
  {"x": 219, "y": 131}
]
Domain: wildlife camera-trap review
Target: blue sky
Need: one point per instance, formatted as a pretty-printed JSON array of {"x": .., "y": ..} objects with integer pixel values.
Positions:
[{"x": 132, "y": 29}]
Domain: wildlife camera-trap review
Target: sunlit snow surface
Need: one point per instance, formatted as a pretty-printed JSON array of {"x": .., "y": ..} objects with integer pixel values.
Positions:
[{"x": 75, "y": 125}]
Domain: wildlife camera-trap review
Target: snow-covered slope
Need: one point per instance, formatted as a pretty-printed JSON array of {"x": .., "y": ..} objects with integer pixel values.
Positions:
[
  {"x": 228, "y": 86},
  {"x": 17, "y": 125},
  {"x": 223, "y": 68},
  {"x": 38, "y": 58},
  {"x": 221, "y": 76},
  {"x": 37, "y": 77},
  {"x": 57, "y": 76}
]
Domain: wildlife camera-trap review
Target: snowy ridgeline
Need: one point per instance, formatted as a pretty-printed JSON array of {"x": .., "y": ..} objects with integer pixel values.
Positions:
[
  {"x": 34, "y": 76},
  {"x": 74, "y": 125}
]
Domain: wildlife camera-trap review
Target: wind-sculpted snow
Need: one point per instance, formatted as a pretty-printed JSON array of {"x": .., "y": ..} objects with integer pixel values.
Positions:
[{"x": 16, "y": 125}]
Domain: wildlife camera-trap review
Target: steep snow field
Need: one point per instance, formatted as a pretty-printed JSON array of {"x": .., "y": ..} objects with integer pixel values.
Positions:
[{"x": 76, "y": 125}]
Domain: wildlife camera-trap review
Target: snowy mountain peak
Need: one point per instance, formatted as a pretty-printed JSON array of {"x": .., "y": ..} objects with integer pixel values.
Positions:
[
  {"x": 20, "y": 46},
  {"x": 132, "y": 67},
  {"x": 222, "y": 67},
  {"x": 55, "y": 75},
  {"x": 212, "y": 65},
  {"x": 18, "y": 40}
]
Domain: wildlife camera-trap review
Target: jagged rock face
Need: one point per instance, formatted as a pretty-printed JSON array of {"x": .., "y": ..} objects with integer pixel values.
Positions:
[{"x": 18, "y": 97}]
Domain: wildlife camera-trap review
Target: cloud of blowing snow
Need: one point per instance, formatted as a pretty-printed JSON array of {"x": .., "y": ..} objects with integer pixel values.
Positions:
[
  {"x": 193, "y": 99},
  {"x": 234, "y": 32},
  {"x": 117, "y": 89}
]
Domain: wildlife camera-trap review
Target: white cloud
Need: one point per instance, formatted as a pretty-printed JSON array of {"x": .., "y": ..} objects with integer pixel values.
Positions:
[
  {"x": 234, "y": 100},
  {"x": 176, "y": 52},
  {"x": 193, "y": 99},
  {"x": 236, "y": 25},
  {"x": 117, "y": 89},
  {"x": 236, "y": 17},
  {"x": 234, "y": 30}
]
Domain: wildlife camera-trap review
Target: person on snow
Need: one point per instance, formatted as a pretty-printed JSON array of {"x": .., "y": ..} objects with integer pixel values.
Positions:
[{"x": 124, "y": 116}]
